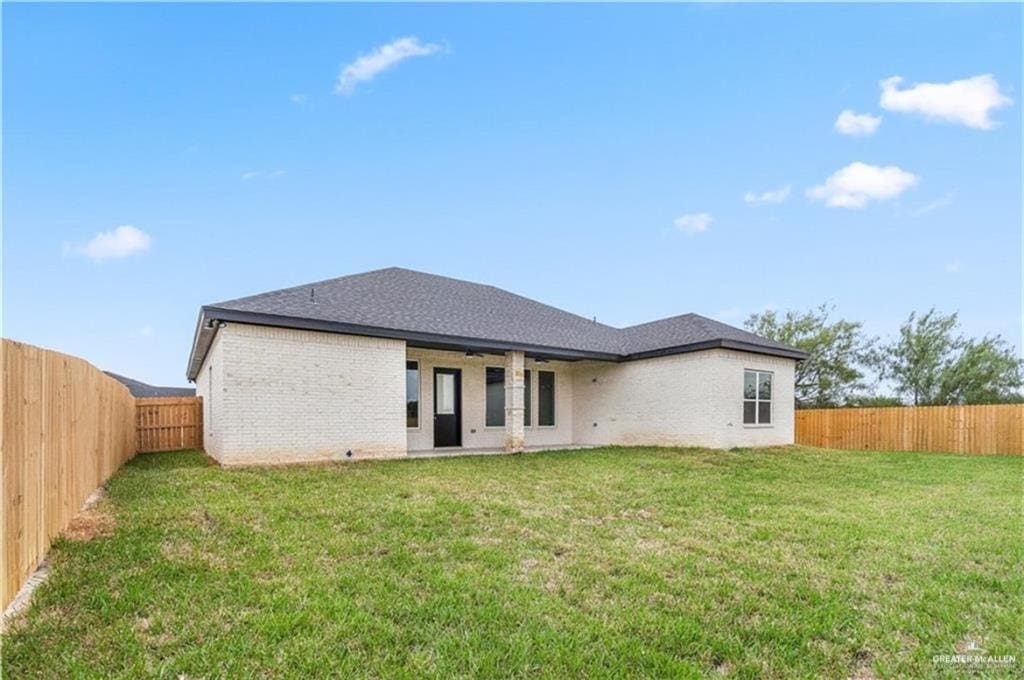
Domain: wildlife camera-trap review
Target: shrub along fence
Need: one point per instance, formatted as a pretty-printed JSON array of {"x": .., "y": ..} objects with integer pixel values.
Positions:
[
  {"x": 169, "y": 423},
  {"x": 982, "y": 429},
  {"x": 66, "y": 428}
]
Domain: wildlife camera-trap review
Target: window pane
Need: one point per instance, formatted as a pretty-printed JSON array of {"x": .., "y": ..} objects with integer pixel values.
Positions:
[
  {"x": 546, "y": 392},
  {"x": 764, "y": 412},
  {"x": 749, "y": 409},
  {"x": 764, "y": 385},
  {"x": 749, "y": 384},
  {"x": 526, "y": 398},
  {"x": 495, "y": 397},
  {"x": 444, "y": 388},
  {"x": 412, "y": 394}
]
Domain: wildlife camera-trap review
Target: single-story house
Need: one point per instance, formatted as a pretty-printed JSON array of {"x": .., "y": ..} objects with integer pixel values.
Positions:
[{"x": 395, "y": 362}]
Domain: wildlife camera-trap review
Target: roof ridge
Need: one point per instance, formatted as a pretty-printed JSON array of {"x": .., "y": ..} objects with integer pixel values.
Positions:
[
  {"x": 301, "y": 286},
  {"x": 702, "y": 322},
  {"x": 664, "y": 318}
]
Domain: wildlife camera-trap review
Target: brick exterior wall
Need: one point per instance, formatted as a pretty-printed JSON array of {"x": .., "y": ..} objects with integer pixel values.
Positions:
[
  {"x": 693, "y": 399},
  {"x": 209, "y": 383},
  {"x": 274, "y": 395},
  {"x": 282, "y": 395}
]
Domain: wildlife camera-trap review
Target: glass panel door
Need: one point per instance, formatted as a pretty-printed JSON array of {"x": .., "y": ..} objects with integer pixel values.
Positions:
[{"x": 445, "y": 393}]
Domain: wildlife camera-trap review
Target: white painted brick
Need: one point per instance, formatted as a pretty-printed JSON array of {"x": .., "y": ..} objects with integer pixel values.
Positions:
[
  {"x": 693, "y": 399},
  {"x": 283, "y": 395},
  {"x": 275, "y": 395}
]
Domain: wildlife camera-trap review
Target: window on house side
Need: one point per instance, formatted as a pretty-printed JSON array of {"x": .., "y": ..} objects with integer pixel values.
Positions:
[
  {"x": 757, "y": 398},
  {"x": 412, "y": 394},
  {"x": 495, "y": 397},
  {"x": 526, "y": 398},
  {"x": 546, "y": 398}
]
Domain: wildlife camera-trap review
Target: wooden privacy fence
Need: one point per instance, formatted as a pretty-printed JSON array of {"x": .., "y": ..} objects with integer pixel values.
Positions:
[
  {"x": 66, "y": 427},
  {"x": 953, "y": 429},
  {"x": 169, "y": 423}
]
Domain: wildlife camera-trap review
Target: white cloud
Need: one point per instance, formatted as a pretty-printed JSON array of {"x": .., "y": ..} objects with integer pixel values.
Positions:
[
  {"x": 143, "y": 332},
  {"x": 954, "y": 267},
  {"x": 857, "y": 124},
  {"x": 297, "y": 98},
  {"x": 858, "y": 183},
  {"x": 934, "y": 205},
  {"x": 777, "y": 196},
  {"x": 968, "y": 101},
  {"x": 262, "y": 174},
  {"x": 367, "y": 66},
  {"x": 693, "y": 223},
  {"x": 121, "y": 242}
]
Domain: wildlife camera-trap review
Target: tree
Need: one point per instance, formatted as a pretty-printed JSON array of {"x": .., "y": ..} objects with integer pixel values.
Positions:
[
  {"x": 915, "y": 361},
  {"x": 872, "y": 400},
  {"x": 986, "y": 372},
  {"x": 836, "y": 350},
  {"x": 931, "y": 363}
]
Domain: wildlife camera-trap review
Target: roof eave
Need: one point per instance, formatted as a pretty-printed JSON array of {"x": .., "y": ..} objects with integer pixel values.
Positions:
[
  {"x": 202, "y": 338},
  {"x": 210, "y": 314},
  {"x": 720, "y": 343}
]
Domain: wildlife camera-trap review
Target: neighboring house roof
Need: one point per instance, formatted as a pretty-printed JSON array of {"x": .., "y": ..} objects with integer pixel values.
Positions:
[
  {"x": 141, "y": 389},
  {"x": 436, "y": 311}
]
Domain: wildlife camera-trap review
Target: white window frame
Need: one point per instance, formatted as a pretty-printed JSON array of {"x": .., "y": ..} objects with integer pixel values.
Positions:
[
  {"x": 757, "y": 400},
  {"x": 554, "y": 399},
  {"x": 419, "y": 395}
]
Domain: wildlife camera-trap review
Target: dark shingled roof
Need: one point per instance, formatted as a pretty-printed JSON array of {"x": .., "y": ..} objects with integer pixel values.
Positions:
[
  {"x": 141, "y": 389},
  {"x": 687, "y": 329},
  {"x": 437, "y": 311}
]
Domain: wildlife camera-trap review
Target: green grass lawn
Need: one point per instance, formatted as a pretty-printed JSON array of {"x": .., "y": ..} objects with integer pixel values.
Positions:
[{"x": 790, "y": 562}]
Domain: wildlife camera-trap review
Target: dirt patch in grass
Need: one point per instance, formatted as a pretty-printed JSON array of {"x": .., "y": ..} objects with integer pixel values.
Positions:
[
  {"x": 862, "y": 669},
  {"x": 185, "y": 552},
  {"x": 93, "y": 522}
]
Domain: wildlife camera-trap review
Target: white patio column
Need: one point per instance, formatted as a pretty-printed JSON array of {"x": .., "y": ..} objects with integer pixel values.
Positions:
[{"x": 515, "y": 432}]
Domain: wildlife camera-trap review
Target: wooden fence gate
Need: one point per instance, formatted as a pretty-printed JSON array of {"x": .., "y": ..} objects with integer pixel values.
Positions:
[{"x": 168, "y": 423}]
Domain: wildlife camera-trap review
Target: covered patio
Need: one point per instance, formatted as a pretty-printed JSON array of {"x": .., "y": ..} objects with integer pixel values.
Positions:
[{"x": 471, "y": 402}]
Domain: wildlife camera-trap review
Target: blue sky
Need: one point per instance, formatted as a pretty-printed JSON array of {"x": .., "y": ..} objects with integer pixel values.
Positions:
[{"x": 592, "y": 157}]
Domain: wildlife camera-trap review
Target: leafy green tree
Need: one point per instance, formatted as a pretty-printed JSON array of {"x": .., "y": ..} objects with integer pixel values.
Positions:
[
  {"x": 986, "y": 372},
  {"x": 916, "y": 360},
  {"x": 837, "y": 350},
  {"x": 866, "y": 400},
  {"x": 931, "y": 363}
]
